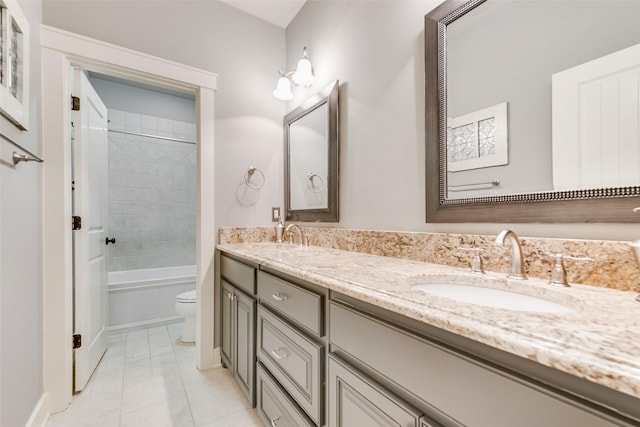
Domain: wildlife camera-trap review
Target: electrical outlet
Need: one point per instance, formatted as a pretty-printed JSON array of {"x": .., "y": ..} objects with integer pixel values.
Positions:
[{"x": 275, "y": 214}]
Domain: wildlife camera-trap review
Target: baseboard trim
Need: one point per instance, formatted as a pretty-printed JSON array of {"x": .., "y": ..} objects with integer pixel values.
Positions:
[
  {"x": 134, "y": 326},
  {"x": 217, "y": 358},
  {"x": 40, "y": 413}
]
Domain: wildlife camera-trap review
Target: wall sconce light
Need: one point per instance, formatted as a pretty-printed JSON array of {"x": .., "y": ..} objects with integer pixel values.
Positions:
[{"x": 302, "y": 76}]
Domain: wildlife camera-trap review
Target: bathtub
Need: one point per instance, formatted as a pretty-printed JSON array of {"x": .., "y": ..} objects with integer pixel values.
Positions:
[{"x": 146, "y": 298}]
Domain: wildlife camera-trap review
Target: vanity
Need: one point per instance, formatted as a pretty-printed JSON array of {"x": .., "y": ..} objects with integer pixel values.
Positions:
[{"x": 350, "y": 339}]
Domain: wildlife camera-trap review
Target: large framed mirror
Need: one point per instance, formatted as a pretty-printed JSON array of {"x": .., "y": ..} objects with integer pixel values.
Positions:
[
  {"x": 532, "y": 111},
  {"x": 311, "y": 142}
]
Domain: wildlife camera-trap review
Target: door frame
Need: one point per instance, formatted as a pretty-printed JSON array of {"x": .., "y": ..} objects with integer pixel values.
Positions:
[{"x": 60, "y": 51}]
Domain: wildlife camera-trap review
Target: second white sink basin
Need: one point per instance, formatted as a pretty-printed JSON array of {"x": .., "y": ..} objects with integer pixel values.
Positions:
[{"x": 496, "y": 298}]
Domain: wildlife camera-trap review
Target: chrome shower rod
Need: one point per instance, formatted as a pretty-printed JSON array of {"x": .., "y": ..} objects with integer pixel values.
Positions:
[{"x": 147, "y": 135}]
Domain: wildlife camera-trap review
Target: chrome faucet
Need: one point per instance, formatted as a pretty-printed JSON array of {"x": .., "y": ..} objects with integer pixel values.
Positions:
[
  {"x": 287, "y": 231},
  {"x": 517, "y": 265}
]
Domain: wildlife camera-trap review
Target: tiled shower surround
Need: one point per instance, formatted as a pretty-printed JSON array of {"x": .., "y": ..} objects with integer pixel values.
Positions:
[
  {"x": 613, "y": 264},
  {"x": 152, "y": 192}
]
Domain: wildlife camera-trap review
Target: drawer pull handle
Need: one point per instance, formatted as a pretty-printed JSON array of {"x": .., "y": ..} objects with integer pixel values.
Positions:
[
  {"x": 273, "y": 422},
  {"x": 278, "y": 353},
  {"x": 279, "y": 297}
]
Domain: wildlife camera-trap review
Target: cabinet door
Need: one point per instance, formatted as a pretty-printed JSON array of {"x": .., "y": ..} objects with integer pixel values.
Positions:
[
  {"x": 227, "y": 329},
  {"x": 355, "y": 400},
  {"x": 274, "y": 406},
  {"x": 245, "y": 359}
]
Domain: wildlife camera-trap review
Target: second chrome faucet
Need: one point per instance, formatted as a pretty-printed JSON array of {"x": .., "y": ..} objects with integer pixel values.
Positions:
[{"x": 517, "y": 261}]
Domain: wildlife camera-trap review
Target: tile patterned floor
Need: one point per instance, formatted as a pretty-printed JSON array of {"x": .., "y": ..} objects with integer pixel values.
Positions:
[{"x": 148, "y": 378}]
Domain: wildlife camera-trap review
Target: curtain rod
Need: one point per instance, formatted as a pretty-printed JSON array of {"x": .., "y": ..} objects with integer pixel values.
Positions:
[{"x": 166, "y": 138}]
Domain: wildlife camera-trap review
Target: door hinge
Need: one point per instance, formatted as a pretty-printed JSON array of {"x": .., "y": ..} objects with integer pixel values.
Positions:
[
  {"x": 77, "y": 341},
  {"x": 77, "y": 223},
  {"x": 75, "y": 103}
]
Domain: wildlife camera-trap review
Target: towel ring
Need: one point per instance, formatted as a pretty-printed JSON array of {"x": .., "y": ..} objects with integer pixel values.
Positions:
[
  {"x": 249, "y": 174},
  {"x": 311, "y": 185}
]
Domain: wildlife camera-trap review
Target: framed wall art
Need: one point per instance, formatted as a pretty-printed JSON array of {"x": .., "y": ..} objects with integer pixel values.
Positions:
[{"x": 14, "y": 64}]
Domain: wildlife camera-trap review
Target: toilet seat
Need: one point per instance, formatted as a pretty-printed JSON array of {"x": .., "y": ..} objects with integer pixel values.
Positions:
[{"x": 187, "y": 297}]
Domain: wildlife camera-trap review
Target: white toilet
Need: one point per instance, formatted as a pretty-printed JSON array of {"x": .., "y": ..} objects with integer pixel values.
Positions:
[{"x": 186, "y": 306}]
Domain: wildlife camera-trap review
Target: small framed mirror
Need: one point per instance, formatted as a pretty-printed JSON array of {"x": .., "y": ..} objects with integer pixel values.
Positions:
[{"x": 311, "y": 139}]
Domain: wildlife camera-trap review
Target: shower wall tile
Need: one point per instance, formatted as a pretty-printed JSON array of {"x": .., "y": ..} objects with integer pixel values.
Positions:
[{"x": 152, "y": 187}]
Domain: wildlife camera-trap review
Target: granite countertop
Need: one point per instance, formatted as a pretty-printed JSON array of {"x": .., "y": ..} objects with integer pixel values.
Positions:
[{"x": 599, "y": 340}]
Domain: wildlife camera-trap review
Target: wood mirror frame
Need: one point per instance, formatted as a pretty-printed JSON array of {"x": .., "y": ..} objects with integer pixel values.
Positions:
[
  {"x": 329, "y": 97},
  {"x": 604, "y": 205}
]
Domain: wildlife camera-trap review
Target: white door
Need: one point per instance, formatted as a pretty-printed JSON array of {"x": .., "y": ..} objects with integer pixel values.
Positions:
[
  {"x": 90, "y": 250},
  {"x": 596, "y": 123}
]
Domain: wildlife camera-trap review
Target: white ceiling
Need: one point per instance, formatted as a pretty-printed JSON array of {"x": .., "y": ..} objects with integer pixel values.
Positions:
[{"x": 278, "y": 12}]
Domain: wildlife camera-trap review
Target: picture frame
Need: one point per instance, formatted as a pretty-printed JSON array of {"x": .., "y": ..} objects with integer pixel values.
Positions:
[{"x": 14, "y": 64}]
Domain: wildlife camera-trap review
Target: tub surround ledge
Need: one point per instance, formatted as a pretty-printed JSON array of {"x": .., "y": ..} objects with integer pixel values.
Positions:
[{"x": 598, "y": 341}]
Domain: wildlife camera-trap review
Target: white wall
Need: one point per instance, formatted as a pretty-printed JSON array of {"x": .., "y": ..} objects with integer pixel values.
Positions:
[
  {"x": 376, "y": 50},
  {"x": 245, "y": 51},
  {"x": 21, "y": 254}
]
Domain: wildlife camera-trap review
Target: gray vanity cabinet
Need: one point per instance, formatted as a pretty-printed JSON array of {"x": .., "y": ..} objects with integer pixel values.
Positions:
[
  {"x": 227, "y": 331},
  {"x": 289, "y": 343},
  {"x": 355, "y": 400},
  {"x": 452, "y": 388},
  {"x": 238, "y": 318}
]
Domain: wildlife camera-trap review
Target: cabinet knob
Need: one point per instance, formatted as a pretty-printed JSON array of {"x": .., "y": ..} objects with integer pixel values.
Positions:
[
  {"x": 278, "y": 353},
  {"x": 279, "y": 297},
  {"x": 110, "y": 240}
]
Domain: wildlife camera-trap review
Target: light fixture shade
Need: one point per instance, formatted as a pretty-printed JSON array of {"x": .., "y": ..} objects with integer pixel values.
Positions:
[
  {"x": 304, "y": 73},
  {"x": 283, "y": 89}
]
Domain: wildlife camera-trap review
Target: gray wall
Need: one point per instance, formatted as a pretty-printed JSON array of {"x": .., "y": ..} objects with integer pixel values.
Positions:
[
  {"x": 376, "y": 50},
  {"x": 21, "y": 254},
  {"x": 125, "y": 97},
  {"x": 244, "y": 51}
]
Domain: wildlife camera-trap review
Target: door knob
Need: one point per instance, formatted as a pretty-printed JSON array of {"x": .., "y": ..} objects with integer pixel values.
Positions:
[{"x": 110, "y": 240}]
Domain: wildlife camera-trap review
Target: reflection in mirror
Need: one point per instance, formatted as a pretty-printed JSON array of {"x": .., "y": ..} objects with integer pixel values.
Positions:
[
  {"x": 308, "y": 159},
  {"x": 311, "y": 153},
  {"x": 521, "y": 113}
]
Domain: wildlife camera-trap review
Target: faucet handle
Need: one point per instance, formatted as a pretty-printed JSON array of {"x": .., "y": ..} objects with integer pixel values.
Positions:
[
  {"x": 476, "y": 262},
  {"x": 558, "y": 272}
]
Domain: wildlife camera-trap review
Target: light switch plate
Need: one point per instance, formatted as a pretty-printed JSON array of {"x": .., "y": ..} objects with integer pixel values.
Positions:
[{"x": 275, "y": 214}]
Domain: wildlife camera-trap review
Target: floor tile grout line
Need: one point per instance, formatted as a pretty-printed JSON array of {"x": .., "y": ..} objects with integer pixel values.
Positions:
[{"x": 173, "y": 342}]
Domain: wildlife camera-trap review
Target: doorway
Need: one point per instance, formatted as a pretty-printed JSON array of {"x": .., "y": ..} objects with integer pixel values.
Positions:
[{"x": 62, "y": 50}]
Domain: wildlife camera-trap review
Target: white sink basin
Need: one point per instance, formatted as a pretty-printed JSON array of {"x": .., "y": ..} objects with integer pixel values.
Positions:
[{"x": 496, "y": 298}]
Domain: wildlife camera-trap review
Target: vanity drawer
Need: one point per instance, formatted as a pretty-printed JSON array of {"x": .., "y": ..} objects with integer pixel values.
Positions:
[
  {"x": 293, "y": 302},
  {"x": 294, "y": 360},
  {"x": 461, "y": 388},
  {"x": 274, "y": 406},
  {"x": 355, "y": 400},
  {"x": 240, "y": 275}
]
